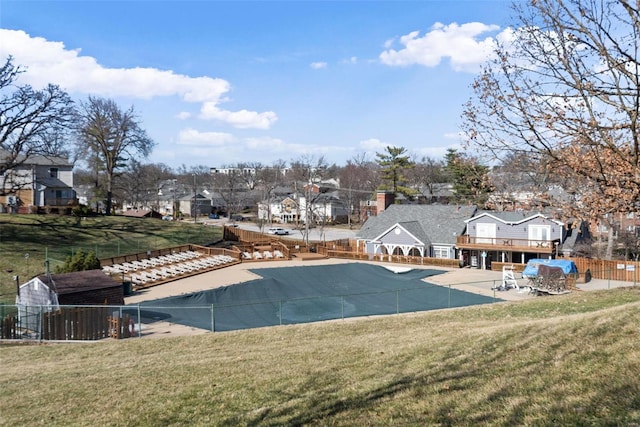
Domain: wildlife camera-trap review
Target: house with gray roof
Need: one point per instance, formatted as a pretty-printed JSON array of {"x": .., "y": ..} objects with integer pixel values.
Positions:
[
  {"x": 38, "y": 181},
  {"x": 510, "y": 237},
  {"x": 416, "y": 230}
]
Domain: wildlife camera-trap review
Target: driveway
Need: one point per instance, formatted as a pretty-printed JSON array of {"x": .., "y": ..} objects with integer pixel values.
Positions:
[{"x": 315, "y": 234}]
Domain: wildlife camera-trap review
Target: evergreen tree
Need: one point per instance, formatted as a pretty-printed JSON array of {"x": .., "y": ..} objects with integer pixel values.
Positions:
[
  {"x": 393, "y": 164},
  {"x": 471, "y": 183},
  {"x": 79, "y": 262}
]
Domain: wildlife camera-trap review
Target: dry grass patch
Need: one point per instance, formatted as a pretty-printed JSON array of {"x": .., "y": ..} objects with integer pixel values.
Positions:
[{"x": 506, "y": 364}]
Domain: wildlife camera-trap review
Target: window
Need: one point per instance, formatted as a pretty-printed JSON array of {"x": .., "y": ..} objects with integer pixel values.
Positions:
[
  {"x": 440, "y": 252},
  {"x": 53, "y": 172}
]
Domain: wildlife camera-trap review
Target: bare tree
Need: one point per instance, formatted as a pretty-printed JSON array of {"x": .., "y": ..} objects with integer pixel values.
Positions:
[
  {"x": 358, "y": 182},
  {"x": 269, "y": 178},
  {"x": 113, "y": 137},
  {"x": 141, "y": 183},
  {"x": 566, "y": 91},
  {"x": 32, "y": 123},
  {"x": 308, "y": 171},
  {"x": 232, "y": 189},
  {"x": 425, "y": 174}
]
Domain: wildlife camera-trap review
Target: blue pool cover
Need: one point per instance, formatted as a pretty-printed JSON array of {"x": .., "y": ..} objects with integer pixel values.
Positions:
[{"x": 304, "y": 294}]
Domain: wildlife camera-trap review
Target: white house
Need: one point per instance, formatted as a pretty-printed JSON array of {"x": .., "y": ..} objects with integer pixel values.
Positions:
[{"x": 324, "y": 208}]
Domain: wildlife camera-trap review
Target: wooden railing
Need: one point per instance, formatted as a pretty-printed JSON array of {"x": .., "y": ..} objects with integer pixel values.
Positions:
[{"x": 506, "y": 244}]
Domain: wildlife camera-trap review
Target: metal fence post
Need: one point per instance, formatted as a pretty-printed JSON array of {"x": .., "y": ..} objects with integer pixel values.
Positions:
[
  {"x": 139, "y": 323},
  {"x": 213, "y": 319}
]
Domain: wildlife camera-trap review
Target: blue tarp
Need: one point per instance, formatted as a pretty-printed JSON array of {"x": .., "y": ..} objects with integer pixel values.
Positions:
[{"x": 531, "y": 270}]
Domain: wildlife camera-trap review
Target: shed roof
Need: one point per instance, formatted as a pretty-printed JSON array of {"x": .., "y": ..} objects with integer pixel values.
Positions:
[{"x": 80, "y": 281}]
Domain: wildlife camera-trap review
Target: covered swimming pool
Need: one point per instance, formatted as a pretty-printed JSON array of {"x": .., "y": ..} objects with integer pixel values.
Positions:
[{"x": 291, "y": 295}]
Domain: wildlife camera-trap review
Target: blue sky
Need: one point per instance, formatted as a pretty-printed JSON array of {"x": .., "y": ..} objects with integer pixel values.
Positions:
[{"x": 216, "y": 83}]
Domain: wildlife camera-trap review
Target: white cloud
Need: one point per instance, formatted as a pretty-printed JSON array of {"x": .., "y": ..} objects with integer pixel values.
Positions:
[
  {"x": 374, "y": 145},
  {"x": 195, "y": 137},
  {"x": 318, "y": 65},
  {"x": 458, "y": 136},
  {"x": 437, "y": 153},
  {"x": 183, "y": 115},
  {"x": 351, "y": 60},
  {"x": 51, "y": 62},
  {"x": 462, "y": 44},
  {"x": 242, "y": 119}
]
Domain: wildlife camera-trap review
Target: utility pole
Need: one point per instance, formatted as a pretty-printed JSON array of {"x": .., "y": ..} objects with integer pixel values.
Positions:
[{"x": 195, "y": 200}]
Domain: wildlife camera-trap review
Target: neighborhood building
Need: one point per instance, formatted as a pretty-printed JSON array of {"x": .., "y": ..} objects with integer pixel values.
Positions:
[
  {"x": 39, "y": 183},
  {"x": 509, "y": 237},
  {"x": 324, "y": 208},
  {"x": 415, "y": 230}
]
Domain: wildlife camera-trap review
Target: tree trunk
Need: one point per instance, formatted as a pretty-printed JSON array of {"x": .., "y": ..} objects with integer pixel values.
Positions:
[
  {"x": 610, "y": 241},
  {"x": 108, "y": 207}
]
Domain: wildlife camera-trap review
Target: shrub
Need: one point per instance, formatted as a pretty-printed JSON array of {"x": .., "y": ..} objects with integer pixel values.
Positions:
[{"x": 79, "y": 262}]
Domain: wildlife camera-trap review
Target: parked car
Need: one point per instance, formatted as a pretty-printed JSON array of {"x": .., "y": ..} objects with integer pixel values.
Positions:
[
  {"x": 278, "y": 231},
  {"x": 167, "y": 218},
  {"x": 214, "y": 216}
]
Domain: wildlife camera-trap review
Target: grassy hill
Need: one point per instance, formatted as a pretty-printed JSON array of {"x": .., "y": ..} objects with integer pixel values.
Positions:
[
  {"x": 27, "y": 240},
  {"x": 567, "y": 360}
]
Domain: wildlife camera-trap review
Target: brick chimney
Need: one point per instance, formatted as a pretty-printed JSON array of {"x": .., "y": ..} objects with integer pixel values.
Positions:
[{"x": 383, "y": 200}]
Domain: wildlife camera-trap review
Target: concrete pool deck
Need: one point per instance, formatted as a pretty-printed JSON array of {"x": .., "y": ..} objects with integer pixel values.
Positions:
[{"x": 474, "y": 281}]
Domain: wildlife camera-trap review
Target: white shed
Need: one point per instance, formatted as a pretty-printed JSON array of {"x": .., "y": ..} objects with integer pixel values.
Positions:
[{"x": 35, "y": 297}]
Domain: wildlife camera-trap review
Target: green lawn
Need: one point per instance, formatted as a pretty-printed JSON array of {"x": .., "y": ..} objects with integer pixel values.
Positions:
[
  {"x": 566, "y": 360},
  {"x": 27, "y": 240}
]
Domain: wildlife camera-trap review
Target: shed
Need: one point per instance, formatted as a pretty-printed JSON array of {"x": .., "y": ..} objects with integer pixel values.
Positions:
[
  {"x": 34, "y": 298},
  {"x": 37, "y": 292},
  {"x": 90, "y": 287}
]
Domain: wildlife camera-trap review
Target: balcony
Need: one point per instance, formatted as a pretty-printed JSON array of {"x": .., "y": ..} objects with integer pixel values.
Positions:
[
  {"x": 61, "y": 201},
  {"x": 506, "y": 244}
]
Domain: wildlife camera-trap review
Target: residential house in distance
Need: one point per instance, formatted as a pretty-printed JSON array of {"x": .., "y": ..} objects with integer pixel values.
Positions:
[
  {"x": 324, "y": 208},
  {"x": 40, "y": 183},
  {"x": 414, "y": 230},
  {"x": 280, "y": 210}
]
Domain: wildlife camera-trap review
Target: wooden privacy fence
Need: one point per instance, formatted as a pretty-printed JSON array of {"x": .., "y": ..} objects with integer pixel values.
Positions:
[
  {"x": 397, "y": 259},
  {"x": 626, "y": 271},
  {"x": 68, "y": 324},
  {"x": 76, "y": 323},
  {"x": 619, "y": 270},
  {"x": 122, "y": 327},
  {"x": 9, "y": 327}
]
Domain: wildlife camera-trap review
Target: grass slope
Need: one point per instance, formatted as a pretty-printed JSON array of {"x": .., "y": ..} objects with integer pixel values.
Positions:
[
  {"x": 56, "y": 237},
  {"x": 568, "y": 360}
]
